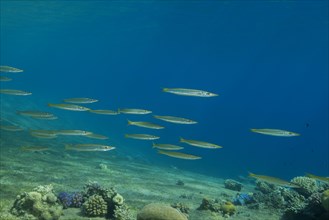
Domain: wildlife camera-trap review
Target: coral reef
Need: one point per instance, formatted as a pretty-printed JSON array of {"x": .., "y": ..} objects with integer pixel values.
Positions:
[
  {"x": 233, "y": 185},
  {"x": 94, "y": 188},
  {"x": 182, "y": 208},
  {"x": 325, "y": 200},
  {"x": 158, "y": 211},
  {"x": 95, "y": 206},
  {"x": 297, "y": 203},
  {"x": 123, "y": 213},
  {"x": 228, "y": 208},
  {"x": 280, "y": 198},
  {"x": 74, "y": 199},
  {"x": 264, "y": 187},
  {"x": 208, "y": 204},
  {"x": 117, "y": 209},
  {"x": 308, "y": 186},
  {"x": 118, "y": 199},
  {"x": 243, "y": 199},
  {"x": 41, "y": 204},
  {"x": 310, "y": 209},
  {"x": 111, "y": 204}
]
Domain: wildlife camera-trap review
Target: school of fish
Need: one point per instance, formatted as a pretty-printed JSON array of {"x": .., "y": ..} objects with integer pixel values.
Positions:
[{"x": 171, "y": 150}]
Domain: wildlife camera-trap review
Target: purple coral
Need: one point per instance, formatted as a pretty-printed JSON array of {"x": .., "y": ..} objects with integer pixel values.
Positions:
[
  {"x": 243, "y": 198},
  {"x": 74, "y": 199}
]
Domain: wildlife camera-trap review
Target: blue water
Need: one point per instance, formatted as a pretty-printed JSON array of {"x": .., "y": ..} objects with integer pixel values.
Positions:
[{"x": 268, "y": 61}]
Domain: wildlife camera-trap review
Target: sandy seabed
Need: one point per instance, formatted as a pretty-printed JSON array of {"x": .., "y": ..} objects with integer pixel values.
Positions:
[{"x": 139, "y": 183}]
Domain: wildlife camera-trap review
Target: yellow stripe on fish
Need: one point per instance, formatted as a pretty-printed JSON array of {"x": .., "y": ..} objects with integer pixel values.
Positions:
[
  {"x": 88, "y": 147},
  {"x": 80, "y": 100},
  {"x": 179, "y": 155},
  {"x": 189, "y": 92},
  {"x": 273, "y": 180},
  {"x": 104, "y": 112},
  {"x": 70, "y": 107},
  {"x": 166, "y": 146},
  {"x": 97, "y": 136},
  {"x": 319, "y": 178},
  {"x": 274, "y": 132},
  {"x": 142, "y": 136},
  {"x": 134, "y": 111},
  {"x": 201, "y": 144},
  {"x": 14, "y": 92},
  {"x": 145, "y": 124},
  {"x": 5, "y": 79},
  {"x": 10, "y": 69},
  {"x": 176, "y": 120}
]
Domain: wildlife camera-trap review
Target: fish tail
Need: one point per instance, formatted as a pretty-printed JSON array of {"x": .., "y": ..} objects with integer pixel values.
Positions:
[
  {"x": 119, "y": 111},
  {"x": 50, "y": 105},
  {"x": 181, "y": 139},
  {"x": 153, "y": 145},
  {"x": 130, "y": 122},
  {"x": 165, "y": 89}
]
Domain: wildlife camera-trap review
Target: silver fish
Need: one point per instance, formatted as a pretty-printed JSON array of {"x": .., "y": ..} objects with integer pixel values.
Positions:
[
  {"x": 80, "y": 100},
  {"x": 142, "y": 136},
  {"x": 104, "y": 112},
  {"x": 176, "y": 120},
  {"x": 274, "y": 132},
  {"x": 200, "y": 143},
  {"x": 134, "y": 111},
  {"x": 70, "y": 107},
  {"x": 145, "y": 124},
  {"x": 88, "y": 147},
  {"x": 189, "y": 92},
  {"x": 14, "y": 92},
  {"x": 9, "y": 69},
  {"x": 4, "y": 79}
]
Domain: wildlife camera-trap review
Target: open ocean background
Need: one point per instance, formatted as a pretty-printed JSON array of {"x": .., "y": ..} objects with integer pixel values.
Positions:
[{"x": 267, "y": 60}]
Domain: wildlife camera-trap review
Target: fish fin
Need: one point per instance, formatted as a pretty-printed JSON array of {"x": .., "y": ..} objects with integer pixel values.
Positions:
[{"x": 119, "y": 111}]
